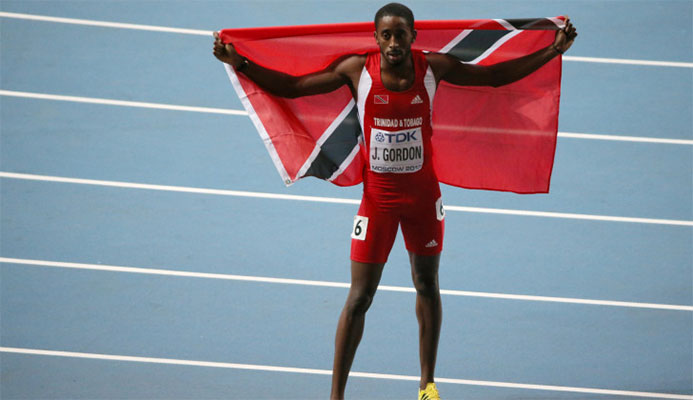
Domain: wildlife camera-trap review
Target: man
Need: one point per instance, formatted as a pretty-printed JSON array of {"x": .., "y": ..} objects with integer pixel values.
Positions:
[{"x": 394, "y": 86}]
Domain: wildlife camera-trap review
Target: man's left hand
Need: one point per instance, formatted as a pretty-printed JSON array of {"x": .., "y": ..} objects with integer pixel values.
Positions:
[{"x": 565, "y": 37}]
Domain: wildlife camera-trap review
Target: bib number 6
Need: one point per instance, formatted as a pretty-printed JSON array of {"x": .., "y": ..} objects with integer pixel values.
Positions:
[
  {"x": 440, "y": 210},
  {"x": 360, "y": 228}
]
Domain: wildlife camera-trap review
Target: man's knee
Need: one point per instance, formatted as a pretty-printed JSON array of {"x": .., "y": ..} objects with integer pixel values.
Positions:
[
  {"x": 426, "y": 284},
  {"x": 359, "y": 301},
  {"x": 425, "y": 274},
  {"x": 364, "y": 282}
]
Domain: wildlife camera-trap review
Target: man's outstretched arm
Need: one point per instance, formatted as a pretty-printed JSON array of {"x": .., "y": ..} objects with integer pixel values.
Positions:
[
  {"x": 450, "y": 69},
  {"x": 281, "y": 84}
]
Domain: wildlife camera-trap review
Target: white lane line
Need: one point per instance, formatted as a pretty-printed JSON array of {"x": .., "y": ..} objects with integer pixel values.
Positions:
[
  {"x": 354, "y": 374},
  {"x": 304, "y": 282},
  {"x": 550, "y": 214},
  {"x": 592, "y": 136},
  {"x": 105, "y": 24},
  {"x": 317, "y": 199},
  {"x": 651, "y": 63},
  {"x": 111, "y": 102},
  {"x": 180, "y": 189},
  {"x": 200, "y": 32},
  {"x": 122, "y": 103}
]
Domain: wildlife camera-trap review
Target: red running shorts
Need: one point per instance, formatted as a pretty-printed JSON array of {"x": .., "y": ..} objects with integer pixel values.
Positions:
[{"x": 421, "y": 216}]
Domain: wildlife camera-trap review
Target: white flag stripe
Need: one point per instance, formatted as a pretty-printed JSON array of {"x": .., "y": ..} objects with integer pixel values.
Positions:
[
  {"x": 345, "y": 164},
  {"x": 455, "y": 41},
  {"x": 493, "y": 48},
  {"x": 209, "y": 33},
  {"x": 558, "y": 22},
  {"x": 269, "y": 145},
  {"x": 505, "y": 24}
]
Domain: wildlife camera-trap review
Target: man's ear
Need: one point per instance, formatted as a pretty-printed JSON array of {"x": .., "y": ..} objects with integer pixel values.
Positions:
[
  {"x": 414, "y": 35},
  {"x": 375, "y": 36}
]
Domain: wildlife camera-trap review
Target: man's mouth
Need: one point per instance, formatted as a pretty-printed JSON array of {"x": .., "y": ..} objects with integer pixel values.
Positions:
[{"x": 394, "y": 54}]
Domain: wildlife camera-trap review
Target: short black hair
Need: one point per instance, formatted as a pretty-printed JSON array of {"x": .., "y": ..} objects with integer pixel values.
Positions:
[{"x": 395, "y": 10}]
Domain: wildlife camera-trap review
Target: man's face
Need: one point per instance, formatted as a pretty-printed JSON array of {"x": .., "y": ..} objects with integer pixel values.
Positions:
[{"x": 394, "y": 37}]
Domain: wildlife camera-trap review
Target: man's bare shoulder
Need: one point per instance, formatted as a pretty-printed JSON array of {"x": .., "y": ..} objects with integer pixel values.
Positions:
[
  {"x": 440, "y": 59},
  {"x": 441, "y": 63},
  {"x": 350, "y": 63}
]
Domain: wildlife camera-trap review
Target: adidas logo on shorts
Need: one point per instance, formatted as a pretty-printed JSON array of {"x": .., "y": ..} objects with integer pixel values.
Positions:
[
  {"x": 417, "y": 100},
  {"x": 432, "y": 243}
]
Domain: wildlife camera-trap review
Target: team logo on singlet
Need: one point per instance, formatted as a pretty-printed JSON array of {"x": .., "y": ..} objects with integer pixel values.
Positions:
[
  {"x": 381, "y": 99},
  {"x": 398, "y": 152}
]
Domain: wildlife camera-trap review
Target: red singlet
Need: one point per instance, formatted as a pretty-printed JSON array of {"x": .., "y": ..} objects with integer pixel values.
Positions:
[{"x": 399, "y": 183}]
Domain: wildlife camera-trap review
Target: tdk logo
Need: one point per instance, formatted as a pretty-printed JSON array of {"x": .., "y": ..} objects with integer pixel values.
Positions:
[
  {"x": 399, "y": 137},
  {"x": 380, "y": 137}
]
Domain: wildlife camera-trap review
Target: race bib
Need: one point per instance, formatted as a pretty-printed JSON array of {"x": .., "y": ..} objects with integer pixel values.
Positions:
[
  {"x": 440, "y": 209},
  {"x": 360, "y": 228},
  {"x": 398, "y": 152}
]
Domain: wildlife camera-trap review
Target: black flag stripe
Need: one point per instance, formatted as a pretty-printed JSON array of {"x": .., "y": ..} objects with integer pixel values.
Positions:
[
  {"x": 532, "y": 23},
  {"x": 337, "y": 147},
  {"x": 475, "y": 44}
]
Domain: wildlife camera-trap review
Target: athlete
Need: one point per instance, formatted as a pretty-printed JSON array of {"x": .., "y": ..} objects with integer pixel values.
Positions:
[{"x": 394, "y": 90}]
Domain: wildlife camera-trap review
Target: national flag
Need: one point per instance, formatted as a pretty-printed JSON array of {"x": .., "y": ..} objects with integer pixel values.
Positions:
[
  {"x": 483, "y": 138},
  {"x": 381, "y": 99}
]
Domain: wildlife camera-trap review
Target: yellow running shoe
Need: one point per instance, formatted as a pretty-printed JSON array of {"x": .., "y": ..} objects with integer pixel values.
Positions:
[{"x": 430, "y": 393}]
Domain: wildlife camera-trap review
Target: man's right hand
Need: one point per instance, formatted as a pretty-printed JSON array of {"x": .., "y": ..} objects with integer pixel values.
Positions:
[{"x": 226, "y": 52}]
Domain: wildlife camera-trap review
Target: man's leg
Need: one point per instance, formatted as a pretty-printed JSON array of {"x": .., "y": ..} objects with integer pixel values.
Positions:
[
  {"x": 364, "y": 282},
  {"x": 429, "y": 311}
]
